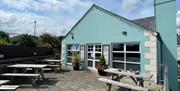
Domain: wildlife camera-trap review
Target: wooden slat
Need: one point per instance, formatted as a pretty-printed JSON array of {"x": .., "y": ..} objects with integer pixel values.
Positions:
[
  {"x": 27, "y": 66},
  {"x": 8, "y": 87},
  {"x": 121, "y": 84},
  {"x": 20, "y": 74},
  {"x": 53, "y": 65},
  {"x": 116, "y": 71},
  {"x": 52, "y": 60}
]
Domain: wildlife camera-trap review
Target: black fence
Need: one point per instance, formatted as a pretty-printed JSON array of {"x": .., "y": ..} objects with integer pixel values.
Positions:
[{"x": 10, "y": 52}]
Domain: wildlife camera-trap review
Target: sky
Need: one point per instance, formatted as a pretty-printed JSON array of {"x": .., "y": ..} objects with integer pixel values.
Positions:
[{"x": 57, "y": 17}]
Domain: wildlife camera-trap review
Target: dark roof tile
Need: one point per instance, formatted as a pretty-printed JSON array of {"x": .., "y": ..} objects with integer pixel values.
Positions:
[{"x": 148, "y": 22}]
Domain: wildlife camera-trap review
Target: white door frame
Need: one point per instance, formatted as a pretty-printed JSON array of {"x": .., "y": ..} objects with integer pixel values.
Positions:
[{"x": 93, "y": 53}]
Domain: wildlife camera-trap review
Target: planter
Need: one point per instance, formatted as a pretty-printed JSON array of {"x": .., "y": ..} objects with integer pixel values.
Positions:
[
  {"x": 76, "y": 67},
  {"x": 101, "y": 72}
]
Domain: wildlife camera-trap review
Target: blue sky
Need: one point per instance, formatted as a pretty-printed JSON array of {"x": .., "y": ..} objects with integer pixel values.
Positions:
[{"x": 57, "y": 17}]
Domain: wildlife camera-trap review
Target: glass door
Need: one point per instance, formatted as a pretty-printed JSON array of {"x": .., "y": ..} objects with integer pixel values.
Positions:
[{"x": 93, "y": 52}]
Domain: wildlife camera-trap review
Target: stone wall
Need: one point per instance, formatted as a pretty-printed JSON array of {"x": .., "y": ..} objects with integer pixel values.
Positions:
[{"x": 152, "y": 54}]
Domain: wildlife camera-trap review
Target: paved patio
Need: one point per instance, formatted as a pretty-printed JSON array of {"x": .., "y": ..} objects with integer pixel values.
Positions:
[{"x": 68, "y": 81}]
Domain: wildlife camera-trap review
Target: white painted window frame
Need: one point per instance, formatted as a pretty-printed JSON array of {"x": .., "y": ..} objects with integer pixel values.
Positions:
[{"x": 125, "y": 52}]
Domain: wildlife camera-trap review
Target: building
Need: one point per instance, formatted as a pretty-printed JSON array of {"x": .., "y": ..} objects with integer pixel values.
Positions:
[{"x": 126, "y": 44}]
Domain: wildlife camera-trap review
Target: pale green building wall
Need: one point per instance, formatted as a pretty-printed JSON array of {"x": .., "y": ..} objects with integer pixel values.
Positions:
[
  {"x": 99, "y": 27},
  {"x": 165, "y": 12}
]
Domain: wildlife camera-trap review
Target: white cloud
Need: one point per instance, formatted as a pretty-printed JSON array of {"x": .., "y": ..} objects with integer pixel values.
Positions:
[
  {"x": 21, "y": 16},
  {"x": 178, "y": 31},
  {"x": 16, "y": 22},
  {"x": 178, "y": 21},
  {"x": 146, "y": 12},
  {"x": 130, "y": 5},
  {"x": 178, "y": 18},
  {"x": 55, "y": 5}
]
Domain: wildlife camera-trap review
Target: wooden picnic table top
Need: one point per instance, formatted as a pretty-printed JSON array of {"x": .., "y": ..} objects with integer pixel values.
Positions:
[
  {"x": 128, "y": 73},
  {"x": 28, "y": 66},
  {"x": 52, "y": 60},
  {"x": 3, "y": 81}
]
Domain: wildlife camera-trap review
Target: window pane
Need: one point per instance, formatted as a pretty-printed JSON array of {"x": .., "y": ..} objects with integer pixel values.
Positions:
[
  {"x": 69, "y": 60},
  {"x": 96, "y": 63},
  {"x": 90, "y": 63},
  {"x": 98, "y": 48},
  {"x": 97, "y": 56},
  {"x": 69, "y": 47},
  {"x": 90, "y": 48},
  {"x": 118, "y": 65},
  {"x": 133, "y": 67},
  {"x": 118, "y": 56},
  {"x": 132, "y": 47},
  {"x": 118, "y": 47},
  {"x": 133, "y": 57},
  {"x": 73, "y": 47},
  {"x": 90, "y": 56},
  {"x": 70, "y": 53}
]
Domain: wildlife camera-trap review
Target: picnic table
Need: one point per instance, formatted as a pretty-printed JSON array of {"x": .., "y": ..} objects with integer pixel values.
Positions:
[
  {"x": 37, "y": 67},
  {"x": 139, "y": 78},
  {"x": 118, "y": 74},
  {"x": 54, "y": 63}
]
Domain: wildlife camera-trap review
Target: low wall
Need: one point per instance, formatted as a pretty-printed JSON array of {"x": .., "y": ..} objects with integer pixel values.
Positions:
[{"x": 10, "y": 52}]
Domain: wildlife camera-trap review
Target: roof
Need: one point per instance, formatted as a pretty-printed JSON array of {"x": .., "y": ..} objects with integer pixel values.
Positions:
[
  {"x": 148, "y": 22},
  {"x": 142, "y": 23}
]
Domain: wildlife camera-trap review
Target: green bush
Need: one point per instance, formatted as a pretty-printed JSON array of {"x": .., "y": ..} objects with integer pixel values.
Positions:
[
  {"x": 76, "y": 59},
  {"x": 102, "y": 60}
]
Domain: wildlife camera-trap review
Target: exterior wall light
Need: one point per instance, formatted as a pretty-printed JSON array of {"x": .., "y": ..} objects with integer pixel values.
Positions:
[
  {"x": 72, "y": 36},
  {"x": 124, "y": 33}
]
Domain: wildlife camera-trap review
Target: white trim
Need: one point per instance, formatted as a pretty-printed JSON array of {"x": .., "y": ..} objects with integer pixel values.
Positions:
[{"x": 93, "y": 52}]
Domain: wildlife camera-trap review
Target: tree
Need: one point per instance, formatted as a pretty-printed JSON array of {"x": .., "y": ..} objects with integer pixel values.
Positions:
[
  {"x": 23, "y": 40},
  {"x": 52, "y": 40},
  {"x": 3, "y": 41},
  {"x": 4, "y": 35}
]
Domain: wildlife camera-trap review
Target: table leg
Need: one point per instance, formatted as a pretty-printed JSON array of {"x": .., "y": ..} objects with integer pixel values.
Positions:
[
  {"x": 109, "y": 87},
  {"x": 115, "y": 77},
  {"x": 42, "y": 73},
  {"x": 60, "y": 66},
  {"x": 141, "y": 82},
  {"x": 134, "y": 80}
]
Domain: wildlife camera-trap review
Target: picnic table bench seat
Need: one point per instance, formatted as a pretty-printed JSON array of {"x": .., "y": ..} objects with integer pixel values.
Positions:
[
  {"x": 33, "y": 76},
  {"x": 20, "y": 74},
  {"x": 8, "y": 87},
  {"x": 3, "y": 81},
  {"x": 121, "y": 84},
  {"x": 51, "y": 65}
]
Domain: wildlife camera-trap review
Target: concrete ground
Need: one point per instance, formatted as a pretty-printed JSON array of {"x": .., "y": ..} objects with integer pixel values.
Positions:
[{"x": 68, "y": 81}]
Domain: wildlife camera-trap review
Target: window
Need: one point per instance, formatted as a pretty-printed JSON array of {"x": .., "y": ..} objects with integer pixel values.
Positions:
[
  {"x": 70, "y": 49},
  {"x": 118, "y": 47},
  {"x": 126, "y": 56},
  {"x": 94, "y": 52}
]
